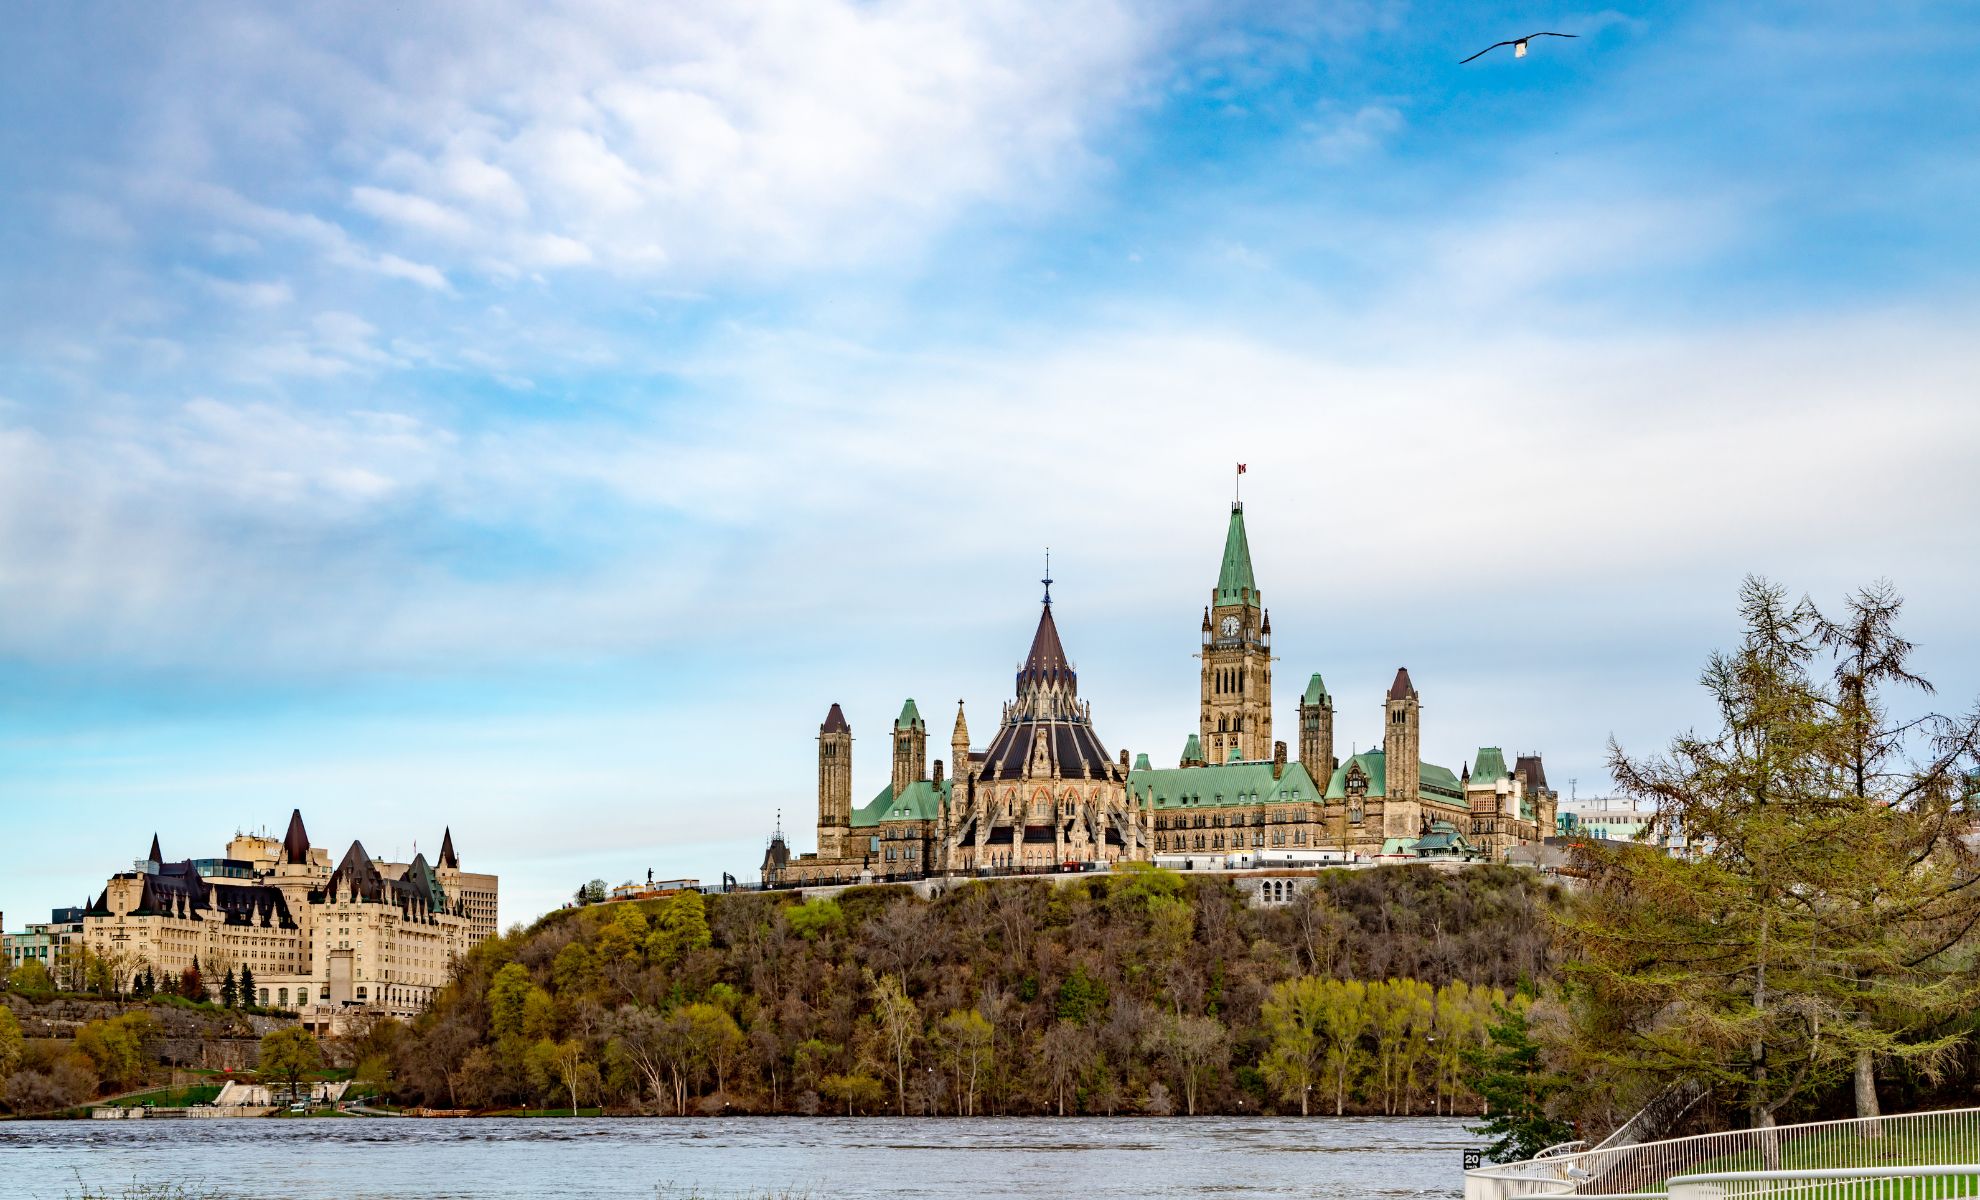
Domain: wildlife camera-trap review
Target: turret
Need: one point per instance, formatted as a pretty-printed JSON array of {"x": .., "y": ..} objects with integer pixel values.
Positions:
[
  {"x": 910, "y": 748},
  {"x": 1316, "y": 731},
  {"x": 1236, "y": 694},
  {"x": 1402, "y": 754},
  {"x": 834, "y": 784}
]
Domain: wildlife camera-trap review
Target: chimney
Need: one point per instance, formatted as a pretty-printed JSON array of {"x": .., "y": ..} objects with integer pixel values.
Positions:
[
  {"x": 1278, "y": 759},
  {"x": 938, "y": 773}
]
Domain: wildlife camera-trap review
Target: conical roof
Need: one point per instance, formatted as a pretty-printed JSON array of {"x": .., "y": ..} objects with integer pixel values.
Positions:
[
  {"x": 1316, "y": 690},
  {"x": 155, "y": 856},
  {"x": 1235, "y": 584},
  {"x": 835, "y": 721},
  {"x": 910, "y": 717},
  {"x": 1047, "y": 660},
  {"x": 448, "y": 858},
  {"x": 1402, "y": 688},
  {"x": 295, "y": 843}
]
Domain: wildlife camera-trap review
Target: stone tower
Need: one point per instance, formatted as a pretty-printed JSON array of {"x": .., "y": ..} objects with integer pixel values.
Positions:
[
  {"x": 835, "y": 784},
  {"x": 1316, "y": 732},
  {"x": 1237, "y": 658},
  {"x": 1402, "y": 759},
  {"x": 910, "y": 747}
]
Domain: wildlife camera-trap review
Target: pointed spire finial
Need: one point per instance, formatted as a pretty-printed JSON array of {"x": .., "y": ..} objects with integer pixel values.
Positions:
[{"x": 1047, "y": 581}]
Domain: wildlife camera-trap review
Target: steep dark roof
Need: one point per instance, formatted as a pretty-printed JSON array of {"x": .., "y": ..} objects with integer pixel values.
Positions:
[
  {"x": 1047, "y": 661},
  {"x": 448, "y": 858},
  {"x": 155, "y": 855},
  {"x": 417, "y": 895},
  {"x": 1075, "y": 750},
  {"x": 835, "y": 721},
  {"x": 1047, "y": 703},
  {"x": 176, "y": 890},
  {"x": 1536, "y": 775},
  {"x": 295, "y": 843},
  {"x": 1401, "y": 689}
]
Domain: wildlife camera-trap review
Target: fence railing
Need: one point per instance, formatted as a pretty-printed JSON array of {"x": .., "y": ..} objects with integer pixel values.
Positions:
[
  {"x": 1944, "y": 1138},
  {"x": 1842, "y": 1183}
]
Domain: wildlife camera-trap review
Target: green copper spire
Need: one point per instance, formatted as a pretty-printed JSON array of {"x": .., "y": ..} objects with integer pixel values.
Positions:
[
  {"x": 1235, "y": 584},
  {"x": 1316, "y": 691},
  {"x": 910, "y": 717},
  {"x": 1192, "y": 751}
]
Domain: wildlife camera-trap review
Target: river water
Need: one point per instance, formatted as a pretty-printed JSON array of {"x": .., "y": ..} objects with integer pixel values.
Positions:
[{"x": 739, "y": 1158}]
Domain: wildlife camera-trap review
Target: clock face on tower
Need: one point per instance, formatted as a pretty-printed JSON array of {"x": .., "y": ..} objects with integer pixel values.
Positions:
[{"x": 1230, "y": 627}]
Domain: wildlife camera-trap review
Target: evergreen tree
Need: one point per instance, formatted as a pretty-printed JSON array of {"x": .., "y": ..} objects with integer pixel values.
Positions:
[
  {"x": 1812, "y": 928},
  {"x": 1508, "y": 1073},
  {"x": 230, "y": 991},
  {"x": 247, "y": 998}
]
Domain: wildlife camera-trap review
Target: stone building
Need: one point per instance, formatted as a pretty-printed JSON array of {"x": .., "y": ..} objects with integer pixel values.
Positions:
[
  {"x": 1045, "y": 792},
  {"x": 364, "y": 935},
  {"x": 1234, "y": 790}
]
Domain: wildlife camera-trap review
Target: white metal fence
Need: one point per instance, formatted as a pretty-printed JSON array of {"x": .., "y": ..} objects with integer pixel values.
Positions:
[
  {"x": 1945, "y": 1138},
  {"x": 1844, "y": 1183}
]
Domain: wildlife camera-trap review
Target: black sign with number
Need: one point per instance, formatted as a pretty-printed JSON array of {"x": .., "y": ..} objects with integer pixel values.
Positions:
[{"x": 1474, "y": 1159}]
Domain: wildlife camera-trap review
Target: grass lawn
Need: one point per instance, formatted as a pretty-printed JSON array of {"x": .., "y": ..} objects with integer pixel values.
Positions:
[
  {"x": 1845, "y": 1148},
  {"x": 170, "y": 1097}
]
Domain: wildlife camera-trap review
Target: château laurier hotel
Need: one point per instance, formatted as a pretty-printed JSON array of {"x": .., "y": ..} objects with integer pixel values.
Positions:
[
  {"x": 362, "y": 935},
  {"x": 1045, "y": 792}
]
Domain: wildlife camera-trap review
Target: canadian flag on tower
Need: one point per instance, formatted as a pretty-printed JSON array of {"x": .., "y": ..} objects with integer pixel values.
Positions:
[{"x": 1240, "y": 468}]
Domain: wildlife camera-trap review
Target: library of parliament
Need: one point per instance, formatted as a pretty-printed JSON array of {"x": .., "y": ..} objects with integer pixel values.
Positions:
[{"x": 1045, "y": 794}]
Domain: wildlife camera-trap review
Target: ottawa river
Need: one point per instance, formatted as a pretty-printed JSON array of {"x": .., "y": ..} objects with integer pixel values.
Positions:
[{"x": 740, "y": 1158}]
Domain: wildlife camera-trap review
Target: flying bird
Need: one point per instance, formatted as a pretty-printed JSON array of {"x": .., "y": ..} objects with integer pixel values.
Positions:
[{"x": 1518, "y": 45}]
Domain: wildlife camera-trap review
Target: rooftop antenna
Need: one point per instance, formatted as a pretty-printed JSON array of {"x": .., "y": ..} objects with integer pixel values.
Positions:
[{"x": 1047, "y": 581}]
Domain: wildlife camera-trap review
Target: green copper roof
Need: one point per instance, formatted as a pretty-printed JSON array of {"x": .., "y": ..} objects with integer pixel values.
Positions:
[
  {"x": 1373, "y": 764},
  {"x": 1489, "y": 766},
  {"x": 1193, "y": 749},
  {"x": 1235, "y": 756},
  {"x": 1235, "y": 584},
  {"x": 1226, "y": 785},
  {"x": 1316, "y": 691},
  {"x": 1141, "y": 763},
  {"x": 910, "y": 717},
  {"x": 922, "y": 801},
  {"x": 1440, "y": 781},
  {"x": 1433, "y": 779}
]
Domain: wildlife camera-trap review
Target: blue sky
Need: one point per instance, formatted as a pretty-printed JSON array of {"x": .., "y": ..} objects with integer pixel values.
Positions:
[{"x": 531, "y": 419}]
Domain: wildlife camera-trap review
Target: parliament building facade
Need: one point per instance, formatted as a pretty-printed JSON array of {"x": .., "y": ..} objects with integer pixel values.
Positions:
[{"x": 1045, "y": 793}]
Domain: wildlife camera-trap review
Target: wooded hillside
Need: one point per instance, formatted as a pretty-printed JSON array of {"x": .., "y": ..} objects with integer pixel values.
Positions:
[{"x": 1140, "y": 990}]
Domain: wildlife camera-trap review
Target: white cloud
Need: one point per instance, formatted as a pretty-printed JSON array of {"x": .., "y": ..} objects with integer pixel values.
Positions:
[{"x": 1344, "y": 138}]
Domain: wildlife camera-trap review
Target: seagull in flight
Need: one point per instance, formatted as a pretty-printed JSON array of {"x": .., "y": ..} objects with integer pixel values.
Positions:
[{"x": 1518, "y": 45}]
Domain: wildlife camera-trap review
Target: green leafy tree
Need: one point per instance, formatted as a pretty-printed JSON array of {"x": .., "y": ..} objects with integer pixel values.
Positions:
[
  {"x": 1082, "y": 998},
  {"x": 679, "y": 929},
  {"x": 1344, "y": 1018},
  {"x": 32, "y": 976},
  {"x": 12, "y": 1045},
  {"x": 856, "y": 1091},
  {"x": 815, "y": 919},
  {"x": 1509, "y": 1074},
  {"x": 119, "y": 1047},
  {"x": 1294, "y": 1017},
  {"x": 290, "y": 1054},
  {"x": 899, "y": 1021},
  {"x": 964, "y": 1039}
]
